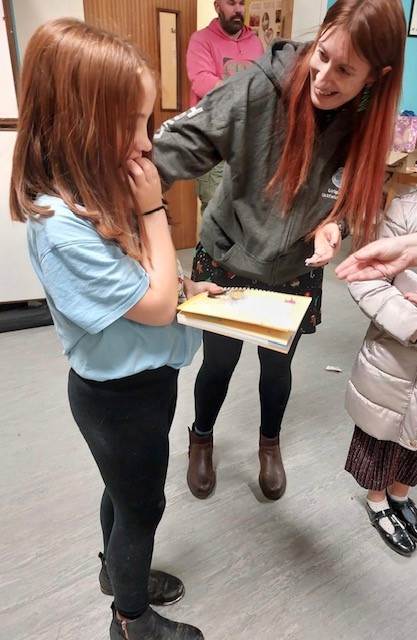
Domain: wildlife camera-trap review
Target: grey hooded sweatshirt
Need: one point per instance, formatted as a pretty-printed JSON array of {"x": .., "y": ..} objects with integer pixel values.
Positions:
[{"x": 243, "y": 122}]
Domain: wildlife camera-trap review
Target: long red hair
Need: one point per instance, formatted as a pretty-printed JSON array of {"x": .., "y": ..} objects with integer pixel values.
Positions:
[
  {"x": 80, "y": 94},
  {"x": 377, "y": 30}
]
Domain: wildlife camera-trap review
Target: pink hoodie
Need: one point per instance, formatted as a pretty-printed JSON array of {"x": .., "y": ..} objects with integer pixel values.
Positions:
[{"x": 213, "y": 55}]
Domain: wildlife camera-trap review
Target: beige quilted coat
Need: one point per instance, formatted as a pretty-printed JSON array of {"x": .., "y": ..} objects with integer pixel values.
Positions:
[{"x": 381, "y": 396}]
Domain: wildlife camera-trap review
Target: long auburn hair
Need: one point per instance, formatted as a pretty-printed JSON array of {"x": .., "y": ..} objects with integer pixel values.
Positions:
[
  {"x": 80, "y": 93},
  {"x": 378, "y": 32}
]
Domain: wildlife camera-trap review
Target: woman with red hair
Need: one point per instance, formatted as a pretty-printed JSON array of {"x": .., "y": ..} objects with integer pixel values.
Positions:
[{"x": 304, "y": 134}]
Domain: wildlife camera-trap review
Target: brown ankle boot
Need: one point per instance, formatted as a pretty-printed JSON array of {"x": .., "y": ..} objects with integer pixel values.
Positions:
[
  {"x": 272, "y": 478},
  {"x": 201, "y": 477}
]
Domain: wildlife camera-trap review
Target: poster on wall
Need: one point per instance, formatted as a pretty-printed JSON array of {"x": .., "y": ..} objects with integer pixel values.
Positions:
[
  {"x": 412, "y": 31},
  {"x": 264, "y": 17}
]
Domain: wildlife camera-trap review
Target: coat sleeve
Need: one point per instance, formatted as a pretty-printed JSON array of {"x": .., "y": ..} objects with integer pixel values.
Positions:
[
  {"x": 201, "y": 66},
  {"x": 216, "y": 129},
  {"x": 381, "y": 300},
  {"x": 192, "y": 143}
]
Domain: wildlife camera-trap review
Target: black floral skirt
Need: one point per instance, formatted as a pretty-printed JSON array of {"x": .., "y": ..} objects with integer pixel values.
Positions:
[{"x": 205, "y": 269}]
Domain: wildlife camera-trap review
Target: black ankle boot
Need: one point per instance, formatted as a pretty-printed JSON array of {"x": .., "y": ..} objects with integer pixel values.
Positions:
[
  {"x": 152, "y": 626},
  {"x": 163, "y": 589}
]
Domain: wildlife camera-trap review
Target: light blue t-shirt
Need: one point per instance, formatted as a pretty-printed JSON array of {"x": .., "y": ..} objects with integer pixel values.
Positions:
[{"x": 89, "y": 285}]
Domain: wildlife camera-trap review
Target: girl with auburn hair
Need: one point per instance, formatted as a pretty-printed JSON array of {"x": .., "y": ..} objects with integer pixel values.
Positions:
[
  {"x": 304, "y": 133},
  {"x": 100, "y": 243}
]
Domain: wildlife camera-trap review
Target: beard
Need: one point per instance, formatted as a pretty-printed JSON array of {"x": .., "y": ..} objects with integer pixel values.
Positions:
[{"x": 233, "y": 25}]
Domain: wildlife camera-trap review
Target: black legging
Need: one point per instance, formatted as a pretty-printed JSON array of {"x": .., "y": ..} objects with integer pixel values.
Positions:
[
  {"x": 126, "y": 425},
  {"x": 221, "y": 356}
]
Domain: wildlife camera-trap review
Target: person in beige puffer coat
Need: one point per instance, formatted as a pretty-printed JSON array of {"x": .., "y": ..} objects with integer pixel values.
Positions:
[{"x": 381, "y": 396}]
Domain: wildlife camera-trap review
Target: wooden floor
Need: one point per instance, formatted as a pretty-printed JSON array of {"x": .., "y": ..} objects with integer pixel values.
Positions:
[{"x": 307, "y": 567}]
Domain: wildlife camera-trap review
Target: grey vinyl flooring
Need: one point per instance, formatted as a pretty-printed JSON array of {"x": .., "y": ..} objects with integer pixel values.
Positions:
[{"x": 307, "y": 567}]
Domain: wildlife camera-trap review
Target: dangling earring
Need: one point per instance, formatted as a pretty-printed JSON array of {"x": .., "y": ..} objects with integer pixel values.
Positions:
[{"x": 365, "y": 98}]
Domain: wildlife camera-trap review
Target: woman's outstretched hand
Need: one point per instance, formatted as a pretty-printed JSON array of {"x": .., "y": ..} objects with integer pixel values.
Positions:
[
  {"x": 384, "y": 258},
  {"x": 327, "y": 241}
]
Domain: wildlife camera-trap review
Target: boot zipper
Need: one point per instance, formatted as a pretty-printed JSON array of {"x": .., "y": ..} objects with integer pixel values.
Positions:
[{"x": 124, "y": 627}]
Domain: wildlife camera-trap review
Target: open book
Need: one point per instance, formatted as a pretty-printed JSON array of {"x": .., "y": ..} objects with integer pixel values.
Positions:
[{"x": 265, "y": 318}]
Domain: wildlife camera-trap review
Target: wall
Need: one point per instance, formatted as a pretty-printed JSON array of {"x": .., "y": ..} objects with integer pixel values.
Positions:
[
  {"x": 205, "y": 13},
  {"x": 307, "y": 17},
  {"x": 30, "y": 14},
  {"x": 8, "y": 106},
  {"x": 17, "y": 280},
  {"x": 409, "y": 97}
]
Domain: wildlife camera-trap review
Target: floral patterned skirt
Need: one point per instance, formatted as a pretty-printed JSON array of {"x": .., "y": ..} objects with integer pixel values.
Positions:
[{"x": 309, "y": 284}]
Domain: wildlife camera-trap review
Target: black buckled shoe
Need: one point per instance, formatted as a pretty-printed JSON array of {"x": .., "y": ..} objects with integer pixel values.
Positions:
[
  {"x": 398, "y": 541},
  {"x": 152, "y": 626},
  {"x": 163, "y": 588},
  {"x": 406, "y": 512}
]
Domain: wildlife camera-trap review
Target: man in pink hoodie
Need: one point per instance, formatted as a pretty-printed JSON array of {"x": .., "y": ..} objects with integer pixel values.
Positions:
[{"x": 223, "y": 48}]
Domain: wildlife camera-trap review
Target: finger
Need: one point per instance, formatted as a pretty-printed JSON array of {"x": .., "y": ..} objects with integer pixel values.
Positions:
[
  {"x": 148, "y": 167},
  {"x": 367, "y": 253},
  {"x": 320, "y": 258},
  {"x": 134, "y": 169},
  {"x": 211, "y": 287},
  {"x": 347, "y": 266},
  {"x": 412, "y": 297},
  {"x": 313, "y": 259},
  {"x": 322, "y": 244},
  {"x": 316, "y": 263},
  {"x": 334, "y": 236},
  {"x": 132, "y": 185},
  {"x": 366, "y": 273}
]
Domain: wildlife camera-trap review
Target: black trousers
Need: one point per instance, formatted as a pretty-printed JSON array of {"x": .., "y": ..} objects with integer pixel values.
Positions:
[
  {"x": 126, "y": 424},
  {"x": 221, "y": 356}
]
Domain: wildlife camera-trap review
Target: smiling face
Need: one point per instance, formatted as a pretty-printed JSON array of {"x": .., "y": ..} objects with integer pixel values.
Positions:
[
  {"x": 231, "y": 15},
  {"x": 337, "y": 73}
]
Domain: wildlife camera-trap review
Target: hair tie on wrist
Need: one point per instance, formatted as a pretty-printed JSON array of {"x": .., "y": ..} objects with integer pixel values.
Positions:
[{"x": 161, "y": 206}]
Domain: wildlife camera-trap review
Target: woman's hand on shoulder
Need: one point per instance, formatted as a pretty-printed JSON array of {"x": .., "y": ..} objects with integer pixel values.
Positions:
[
  {"x": 145, "y": 184},
  {"x": 327, "y": 242}
]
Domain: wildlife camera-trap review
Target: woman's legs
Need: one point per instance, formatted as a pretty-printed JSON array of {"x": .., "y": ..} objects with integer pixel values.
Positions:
[
  {"x": 126, "y": 426},
  {"x": 274, "y": 392},
  {"x": 274, "y": 387},
  {"x": 221, "y": 356}
]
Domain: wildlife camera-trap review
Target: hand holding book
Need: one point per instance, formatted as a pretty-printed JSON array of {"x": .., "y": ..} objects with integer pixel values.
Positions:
[{"x": 265, "y": 318}]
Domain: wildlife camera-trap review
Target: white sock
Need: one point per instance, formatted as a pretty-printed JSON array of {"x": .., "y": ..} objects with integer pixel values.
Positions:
[
  {"x": 385, "y": 523},
  {"x": 398, "y": 498}
]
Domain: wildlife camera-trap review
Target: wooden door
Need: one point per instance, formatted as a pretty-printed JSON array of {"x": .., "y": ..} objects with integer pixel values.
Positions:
[{"x": 159, "y": 28}]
